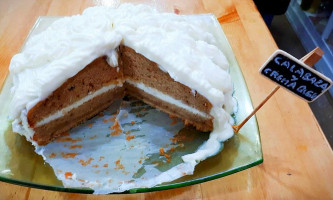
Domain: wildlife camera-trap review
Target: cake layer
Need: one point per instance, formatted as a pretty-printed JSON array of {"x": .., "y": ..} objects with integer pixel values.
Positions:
[
  {"x": 202, "y": 123},
  {"x": 58, "y": 127},
  {"x": 139, "y": 69},
  {"x": 93, "y": 77}
]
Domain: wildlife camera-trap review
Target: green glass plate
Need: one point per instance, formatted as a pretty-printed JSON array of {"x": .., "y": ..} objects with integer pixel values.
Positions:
[{"x": 19, "y": 164}]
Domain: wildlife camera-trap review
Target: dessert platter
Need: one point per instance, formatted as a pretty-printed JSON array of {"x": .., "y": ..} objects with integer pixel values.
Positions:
[{"x": 124, "y": 99}]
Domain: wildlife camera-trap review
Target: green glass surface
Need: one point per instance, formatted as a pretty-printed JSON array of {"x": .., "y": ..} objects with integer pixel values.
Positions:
[{"x": 19, "y": 164}]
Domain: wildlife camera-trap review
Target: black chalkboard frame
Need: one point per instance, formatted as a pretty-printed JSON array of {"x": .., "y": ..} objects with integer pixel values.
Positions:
[{"x": 282, "y": 53}]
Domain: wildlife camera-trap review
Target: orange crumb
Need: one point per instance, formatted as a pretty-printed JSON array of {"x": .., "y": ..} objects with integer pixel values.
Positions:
[
  {"x": 173, "y": 140},
  {"x": 174, "y": 121},
  {"x": 176, "y": 11},
  {"x": 172, "y": 117},
  {"x": 90, "y": 125},
  {"x": 132, "y": 122},
  {"x": 52, "y": 155},
  {"x": 112, "y": 119},
  {"x": 95, "y": 166},
  {"x": 172, "y": 149},
  {"x": 101, "y": 114},
  {"x": 167, "y": 156},
  {"x": 68, "y": 175},
  {"x": 101, "y": 157},
  {"x": 140, "y": 161},
  {"x": 68, "y": 155},
  {"x": 130, "y": 137},
  {"x": 128, "y": 132},
  {"x": 106, "y": 165},
  {"x": 105, "y": 121},
  {"x": 65, "y": 134},
  {"x": 116, "y": 127},
  {"x": 84, "y": 163},
  {"x": 75, "y": 146},
  {"x": 68, "y": 139},
  {"x": 92, "y": 137},
  {"x": 118, "y": 165},
  {"x": 162, "y": 151}
]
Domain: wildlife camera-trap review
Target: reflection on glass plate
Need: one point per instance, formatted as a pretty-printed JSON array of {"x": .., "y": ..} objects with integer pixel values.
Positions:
[{"x": 19, "y": 164}]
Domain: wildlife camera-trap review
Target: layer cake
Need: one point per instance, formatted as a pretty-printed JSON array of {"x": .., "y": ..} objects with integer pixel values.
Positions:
[{"x": 81, "y": 64}]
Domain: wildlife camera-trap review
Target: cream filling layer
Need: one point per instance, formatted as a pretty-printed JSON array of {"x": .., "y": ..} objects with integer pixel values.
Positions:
[
  {"x": 85, "y": 99},
  {"x": 149, "y": 90},
  {"x": 167, "y": 98}
]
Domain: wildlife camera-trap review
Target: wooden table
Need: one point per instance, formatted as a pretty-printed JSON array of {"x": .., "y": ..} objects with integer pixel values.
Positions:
[{"x": 298, "y": 160}]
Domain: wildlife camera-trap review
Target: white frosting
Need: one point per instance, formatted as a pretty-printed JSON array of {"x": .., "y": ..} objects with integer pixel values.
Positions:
[{"x": 176, "y": 43}]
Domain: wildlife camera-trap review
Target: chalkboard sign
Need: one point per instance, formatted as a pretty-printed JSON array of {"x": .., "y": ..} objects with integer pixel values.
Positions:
[{"x": 294, "y": 75}]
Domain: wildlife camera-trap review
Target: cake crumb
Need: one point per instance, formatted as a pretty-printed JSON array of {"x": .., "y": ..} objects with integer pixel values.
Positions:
[
  {"x": 68, "y": 175},
  {"x": 105, "y": 120},
  {"x": 101, "y": 157},
  {"x": 112, "y": 119},
  {"x": 116, "y": 127},
  {"x": 172, "y": 116},
  {"x": 130, "y": 137},
  {"x": 105, "y": 165},
  {"x": 132, "y": 122},
  {"x": 52, "y": 155},
  {"x": 118, "y": 165},
  {"x": 90, "y": 125},
  {"x": 81, "y": 180},
  {"x": 127, "y": 132},
  {"x": 68, "y": 139},
  {"x": 167, "y": 156},
  {"x": 173, "y": 122},
  {"x": 92, "y": 137},
  {"x": 162, "y": 151},
  {"x": 176, "y": 11},
  {"x": 65, "y": 134},
  {"x": 75, "y": 146},
  {"x": 140, "y": 161},
  {"x": 101, "y": 114},
  {"x": 95, "y": 166},
  {"x": 85, "y": 163},
  {"x": 68, "y": 155}
]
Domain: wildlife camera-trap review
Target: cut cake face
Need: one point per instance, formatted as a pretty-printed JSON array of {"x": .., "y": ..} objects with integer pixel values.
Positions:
[{"x": 81, "y": 64}]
